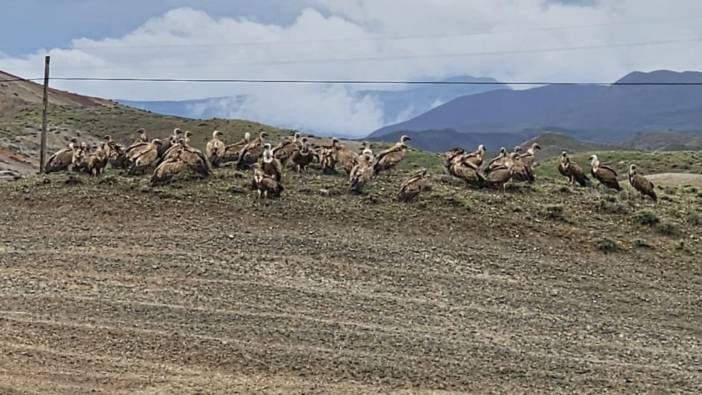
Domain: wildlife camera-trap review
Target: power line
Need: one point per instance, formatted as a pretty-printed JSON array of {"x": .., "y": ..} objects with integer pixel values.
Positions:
[{"x": 354, "y": 82}]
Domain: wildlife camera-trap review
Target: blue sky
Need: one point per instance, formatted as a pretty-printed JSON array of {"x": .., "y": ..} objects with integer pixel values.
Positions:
[
  {"x": 54, "y": 23},
  {"x": 510, "y": 40}
]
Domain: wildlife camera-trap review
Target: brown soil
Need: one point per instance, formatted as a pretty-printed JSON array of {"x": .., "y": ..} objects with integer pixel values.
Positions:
[{"x": 115, "y": 288}]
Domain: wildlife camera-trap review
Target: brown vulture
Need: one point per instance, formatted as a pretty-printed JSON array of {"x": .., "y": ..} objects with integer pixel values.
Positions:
[
  {"x": 572, "y": 170},
  {"x": 604, "y": 174},
  {"x": 361, "y": 174},
  {"x": 265, "y": 186},
  {"x": 251, "y": 152},
  {"x": 270, "y": 164},
  {"x": 215, "y": 149},
  {"x": 641, "y": 183},
  {"x": 413, "y": 186},
  {"x": 389, "y": 158}
]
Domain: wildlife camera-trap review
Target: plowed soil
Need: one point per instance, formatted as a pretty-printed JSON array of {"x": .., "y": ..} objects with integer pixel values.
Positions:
[{"x": 109, "y": 288}]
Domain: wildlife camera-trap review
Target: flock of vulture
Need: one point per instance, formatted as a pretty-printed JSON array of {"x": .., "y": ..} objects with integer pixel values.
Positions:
[{"x": 171, "y": 156}]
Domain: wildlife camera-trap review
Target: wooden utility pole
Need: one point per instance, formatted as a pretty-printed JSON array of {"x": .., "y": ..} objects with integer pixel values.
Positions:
[{"x": 42, "y": 154}]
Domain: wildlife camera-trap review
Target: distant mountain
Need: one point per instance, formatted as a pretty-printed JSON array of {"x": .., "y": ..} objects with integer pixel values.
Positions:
[
  {"x": 397, "y": 105},
  {"x": 604, "y": 114},
  {"x": 400, "y": 105}
]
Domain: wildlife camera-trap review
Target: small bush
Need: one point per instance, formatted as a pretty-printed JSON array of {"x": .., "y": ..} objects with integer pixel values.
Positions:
[
  {"x": 553, "y": 213},
  {"x": 610, "y": 206},
  {"x": 667, "y": 229},
  {"x": 607, "y": 245},
  {"x": 648, "y": 218},
  {"x": 694, "y": 219}
]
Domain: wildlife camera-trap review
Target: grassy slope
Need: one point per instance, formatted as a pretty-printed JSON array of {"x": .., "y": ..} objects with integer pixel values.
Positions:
[{"x": 121, "y": 122}]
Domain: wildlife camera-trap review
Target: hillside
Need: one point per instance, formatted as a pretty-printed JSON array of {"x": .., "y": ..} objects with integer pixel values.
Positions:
[
  {"x": 89, "y": 119},
  {"x": 195, "y": 288},
  {"x": 15, "y": 94},
  {"x": 606, "y": 114}
]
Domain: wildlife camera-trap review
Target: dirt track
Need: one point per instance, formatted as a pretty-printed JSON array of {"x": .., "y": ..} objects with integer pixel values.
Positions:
[{"x": 132, "y": 293}]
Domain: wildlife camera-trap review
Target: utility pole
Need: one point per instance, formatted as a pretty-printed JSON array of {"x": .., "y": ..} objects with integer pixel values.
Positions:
[{"x": 42, "y": 154}]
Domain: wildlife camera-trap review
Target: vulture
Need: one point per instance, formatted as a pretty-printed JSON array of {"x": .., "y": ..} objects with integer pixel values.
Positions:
[
  {"x": 193, "y": 157},
  {"x": 143, "y": 158},
  {"x": 266, "y": 185},
  {"x": 250, "y": 153},
  {"x": 62, "y": 159},
  {"x": 79, "y": 159},
  {"x": 346, "y": 158},
  {"x": 499, "y": 160},
  {"x": 361, "y": 174},
  {"x": 520, "y": 171},
  {"x": 115, "y": 153},
  {"x": 604, "y": 174},
  {"x": 529, "y": 158},
  {"x": 476, "y": 157},
  {"x": 231, "y": 151},
  {"x": 170, "y": 167},
  {"x": 141, "y": 136},
  {"x": 287, "y": 147},
  {"x": 641, "y": 183},
  {"x": 573, "y": 171},
  {"x": 270, "y": 164},
  {"x": 215, "y": 149},
  {"x": 302, "y": 157},
  {"x": 327, "y": 156},
  {"x": 451, "y": 157},
  {"x": 97, "y": 161},
  {"x": 463, "y": 166},
  {"x": 138, "y": 145},
  {"x": 498, "y": 176},
  {"x": 389, "y": 158},
  {"x": 413, "y": 186}
]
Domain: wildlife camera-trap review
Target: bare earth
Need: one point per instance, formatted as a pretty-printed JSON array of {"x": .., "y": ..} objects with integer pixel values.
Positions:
[{"x": 136, "y": 292}]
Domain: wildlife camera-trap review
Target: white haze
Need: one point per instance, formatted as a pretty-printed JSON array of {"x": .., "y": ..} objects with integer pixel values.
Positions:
[{"x": 424, "y": 38}]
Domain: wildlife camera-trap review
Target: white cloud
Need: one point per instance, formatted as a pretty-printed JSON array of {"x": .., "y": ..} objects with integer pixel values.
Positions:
[{"x": 357, "y": 35}]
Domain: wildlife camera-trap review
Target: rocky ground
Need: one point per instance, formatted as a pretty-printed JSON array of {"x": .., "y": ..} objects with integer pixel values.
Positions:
[{"x": 111, "y": 286}]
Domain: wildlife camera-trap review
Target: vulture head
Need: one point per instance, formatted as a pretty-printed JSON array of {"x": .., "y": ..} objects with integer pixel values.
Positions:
[
  {"x": 633, "y": 169},
  {"x": 405, "y": 138},
  {"x": 535, "y": 147},
  {"x": 481, "y": 149},
  {"x": 247, "y": 137},
  {"x": 594, "y": 161},
  {"x": 503, "y": 151},
  {"x": 262, "y": 135},
  {"x": 517, "y": 149},
  {"x": 217, "y": 134},
  {"x": 267, "y": 152},
  {"x": 177, "y": 132},
  {"x": 108, "y": 138}
]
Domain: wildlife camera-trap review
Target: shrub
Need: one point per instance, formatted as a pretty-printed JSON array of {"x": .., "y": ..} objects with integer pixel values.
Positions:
[
  {"x": 648, "y": 218},
  {"x": 694, "y": 219},
  {"x": 611, "y": 206},
  {"x": 553, "y": 213},
  {"x": 667, "y": 229},
  {"x": 607, "y": 245}
]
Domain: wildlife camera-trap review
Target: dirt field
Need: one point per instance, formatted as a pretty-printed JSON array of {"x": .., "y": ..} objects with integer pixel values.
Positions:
[{"x": 111, "y": 287}]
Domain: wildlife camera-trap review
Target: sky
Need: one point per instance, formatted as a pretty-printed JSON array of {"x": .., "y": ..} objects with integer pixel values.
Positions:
[{"x": 509, "y": 40}]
